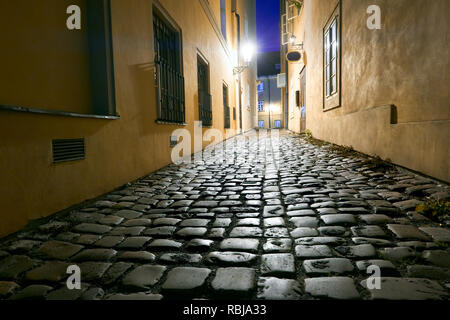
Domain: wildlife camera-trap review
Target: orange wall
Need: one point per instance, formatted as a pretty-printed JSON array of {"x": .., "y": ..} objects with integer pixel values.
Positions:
[
  {"x": 117, "y": 151},
  {"x": 44, "y": 65}
]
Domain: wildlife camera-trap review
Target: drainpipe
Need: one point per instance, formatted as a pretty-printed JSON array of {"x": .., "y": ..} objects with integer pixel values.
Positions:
[
  {"x": 238, "y": 21},
  {"x": 270, "y": 105},
  {"x": 286, "y": 110}
]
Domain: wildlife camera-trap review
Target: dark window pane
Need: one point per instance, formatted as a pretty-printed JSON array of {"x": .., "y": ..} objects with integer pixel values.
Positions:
[
  {"x": 226, "y": 108},
  {"x": 169, "y": 79}
]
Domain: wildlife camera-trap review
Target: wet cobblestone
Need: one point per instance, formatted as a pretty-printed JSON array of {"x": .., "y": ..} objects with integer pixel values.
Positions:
[{"x": 301, "y": 223}]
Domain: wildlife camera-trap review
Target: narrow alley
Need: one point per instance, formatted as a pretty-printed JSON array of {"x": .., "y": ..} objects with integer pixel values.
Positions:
[
  {"x": 276, "y": 218},
  {"x": 217, "y": 155}
]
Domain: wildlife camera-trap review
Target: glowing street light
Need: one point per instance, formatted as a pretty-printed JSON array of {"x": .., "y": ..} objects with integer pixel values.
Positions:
[{"x": 248, "y": 51}]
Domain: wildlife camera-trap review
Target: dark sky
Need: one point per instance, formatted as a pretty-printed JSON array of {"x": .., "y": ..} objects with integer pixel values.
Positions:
[{"x": 267, "y": 25}]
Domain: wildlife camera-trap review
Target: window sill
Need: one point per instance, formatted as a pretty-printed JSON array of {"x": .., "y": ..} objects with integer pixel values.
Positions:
[
  {"x": 58, "y": 113},
  {"x": 170, "y": 123},
  {"x": 330, "y": 108}
]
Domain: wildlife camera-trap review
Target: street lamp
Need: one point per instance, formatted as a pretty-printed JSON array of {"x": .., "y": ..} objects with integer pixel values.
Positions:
[
  {"x": 248, "y": 51},
  {"x": 292, "y": 40}
]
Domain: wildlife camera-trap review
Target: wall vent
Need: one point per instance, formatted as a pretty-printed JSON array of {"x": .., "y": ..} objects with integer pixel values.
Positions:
[{"x": 68, "y": 150}]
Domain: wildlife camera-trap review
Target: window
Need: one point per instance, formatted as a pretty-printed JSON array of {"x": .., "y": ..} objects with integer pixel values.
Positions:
[
  {"x": 204, "y": 97},
  {"x": 169, "y": 72},
  {"x": 261, "y": 87},
  {"x": 277, "y": 66},
  {"x": 331, "y": 59},
  {"x": 277, "y": 124},
  {"x": 331, "y": 62},
  {"x": 71, "y": 79},
  {"x": 261, "y": 105},
  {"x": 261, "y": 124},
  {"x": 234, "y": 113},
  {"x": 226, "y": 108},
  {"x": 223, "y": 18}
]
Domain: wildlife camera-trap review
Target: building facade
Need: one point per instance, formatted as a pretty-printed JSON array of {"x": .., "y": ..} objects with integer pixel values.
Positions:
[
  {"x": 85, "y": 109},
  {"x": 270, "y": 112},
  {"x": 373, "y": 75}
]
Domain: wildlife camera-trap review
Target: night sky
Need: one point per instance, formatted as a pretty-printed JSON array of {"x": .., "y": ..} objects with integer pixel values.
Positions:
[{"x": 267, "y": 25}]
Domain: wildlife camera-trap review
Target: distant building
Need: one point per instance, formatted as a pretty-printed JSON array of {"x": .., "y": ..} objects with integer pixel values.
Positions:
[{"x": 270, "y": 113}]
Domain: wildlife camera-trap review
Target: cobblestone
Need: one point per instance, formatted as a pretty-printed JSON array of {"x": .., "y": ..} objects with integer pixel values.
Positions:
[
  {"x": 305, "y": 227},
  {"x": 270, "y": 288},
  {"x": 231, "y": 258},
  {"x": 138, "y": 256},
  {"x": 278, "y": 264},
  {"x": 430, "y": 272},
  {"x": 59, "y": 250},
  {"x": 326, "y": 266},
  {"x": 317, "y": 251},
  {"x": 7, "y": 288},
  {"x": 332, "y": 287},
  {"x": 408, "y": 289},
  {"x": 144, "y": 276},
  {"x": 32, "y": 292},
  {"x": 53, "y": 271},
  {"x": 407, "y": 232},
  {"x": 277, "y": 245},
  {"x": 240, "y": 244},
  {"x": 186, "y": 280},
  {"x": 233, "y": 281},
  {"x": 13, "y": 266},
  {"x": 95, "y": 255}
]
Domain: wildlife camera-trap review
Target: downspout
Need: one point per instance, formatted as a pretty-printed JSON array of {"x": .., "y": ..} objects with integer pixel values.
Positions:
[
  {"x": 238, "y": 20},
  {"x": 270, "y": 104},
  {"x": 286, "y": 110}
]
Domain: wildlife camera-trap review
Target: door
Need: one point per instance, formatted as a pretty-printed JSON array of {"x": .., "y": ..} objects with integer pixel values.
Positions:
[
  {"x": 277, "y": 124},
  {"x": 302, "y": 99},
  {"x": 261, "y": 123}
]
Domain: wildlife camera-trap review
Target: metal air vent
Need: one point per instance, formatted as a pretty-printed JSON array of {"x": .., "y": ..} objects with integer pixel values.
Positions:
[{"x": 68, "y": 150}]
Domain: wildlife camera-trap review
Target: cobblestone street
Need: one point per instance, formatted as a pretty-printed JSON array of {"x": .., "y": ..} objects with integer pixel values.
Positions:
[{"x": 304, "y": 223}]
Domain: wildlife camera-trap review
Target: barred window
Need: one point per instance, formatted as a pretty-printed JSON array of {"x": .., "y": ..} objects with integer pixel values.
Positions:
[
  {"x": 204, "y": 97},
  {"x": 330, "y": 48},
  {"x": 331, "y": 60},
  {"x": 169, "y": 72}
]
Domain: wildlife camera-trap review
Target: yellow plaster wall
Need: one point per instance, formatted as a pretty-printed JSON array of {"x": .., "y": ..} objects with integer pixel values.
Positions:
[
  {"x": 404, "y": 64},
  {"x": 117, "y": 151}
]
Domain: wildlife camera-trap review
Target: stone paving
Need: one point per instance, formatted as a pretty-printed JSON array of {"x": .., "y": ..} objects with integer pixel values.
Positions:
[{"x": 304, "y": 223}]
